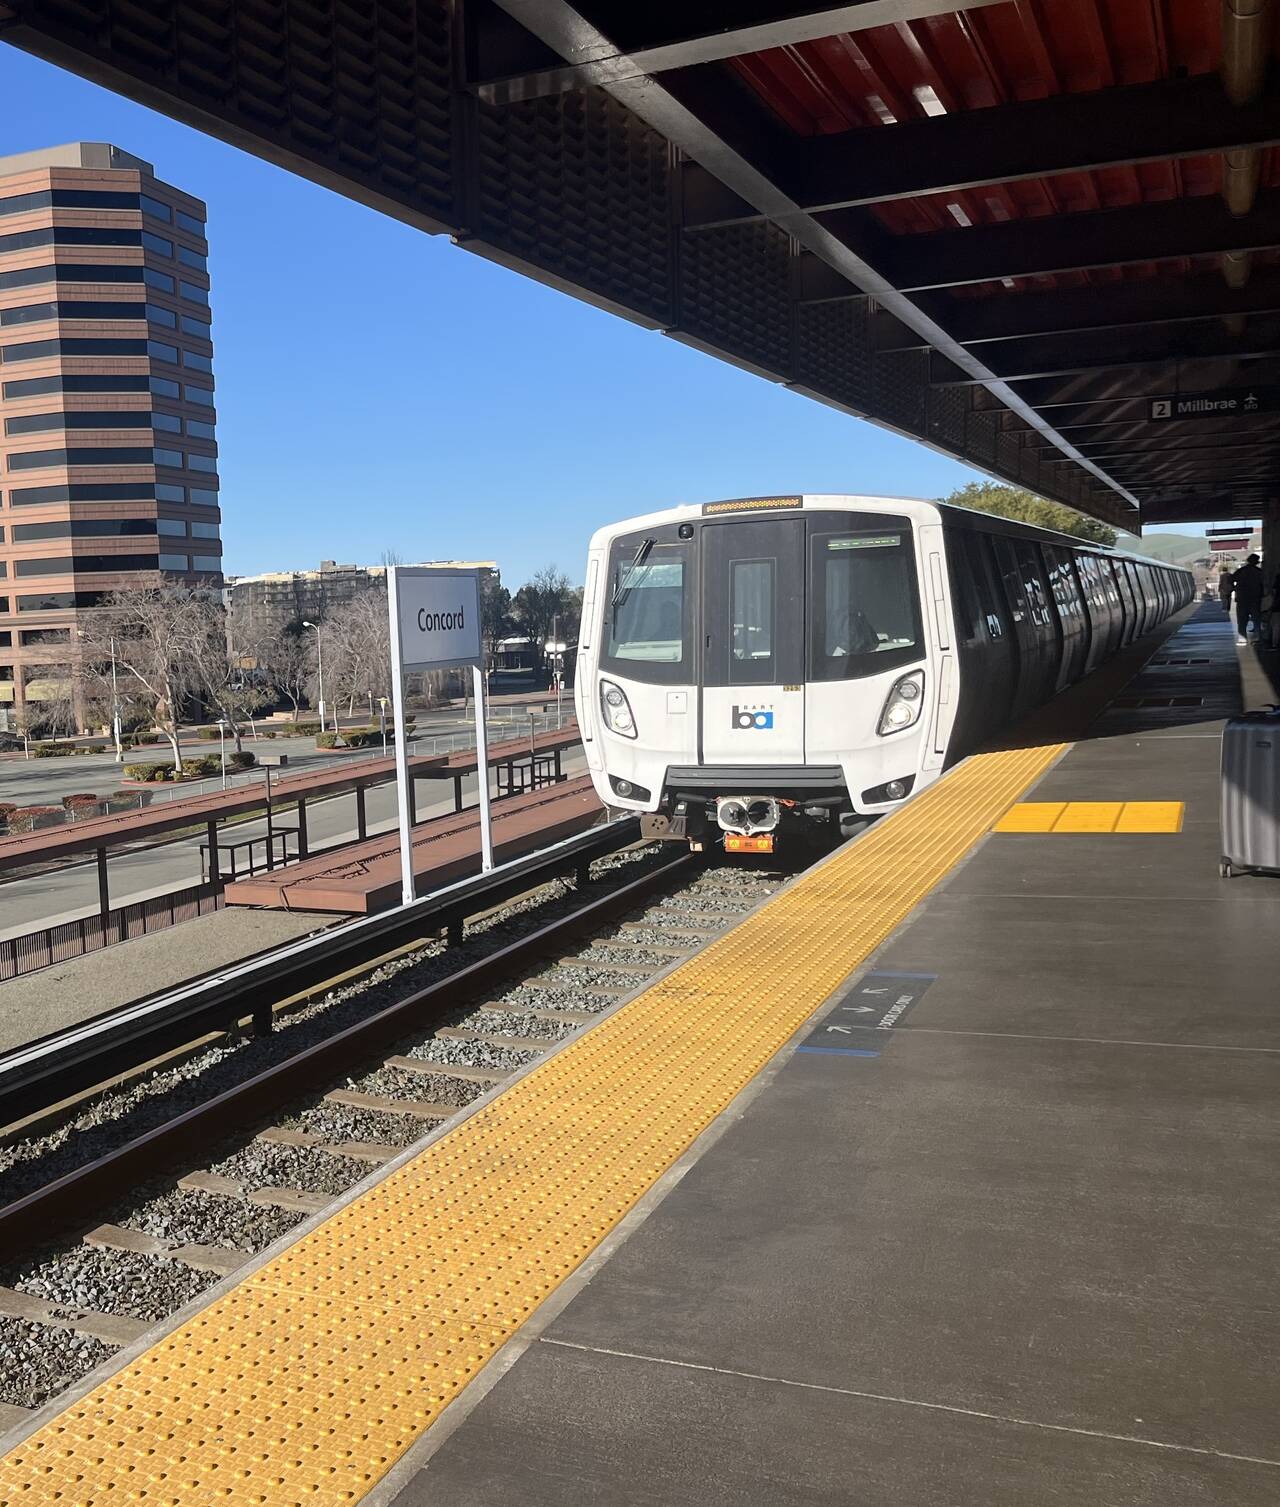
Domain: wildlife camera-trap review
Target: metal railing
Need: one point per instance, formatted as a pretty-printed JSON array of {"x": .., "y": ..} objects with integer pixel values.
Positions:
[{"x": 73, "y": 939}]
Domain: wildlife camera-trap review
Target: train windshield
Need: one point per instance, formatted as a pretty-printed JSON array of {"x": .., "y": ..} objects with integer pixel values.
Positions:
[
  {"x": 646, "y": 633},
  {"x": 865, "y": 614}
]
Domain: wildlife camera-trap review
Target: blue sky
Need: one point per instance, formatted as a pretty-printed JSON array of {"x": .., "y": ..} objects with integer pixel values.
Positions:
[{"x": 394, "y": 392}]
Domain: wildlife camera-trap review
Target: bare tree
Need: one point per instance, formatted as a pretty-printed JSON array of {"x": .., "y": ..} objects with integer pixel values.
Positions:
[
  {"x": 287, "y": 662},
  {"x": 357, "y": 639},
  {"x": 160, "y": 631}
]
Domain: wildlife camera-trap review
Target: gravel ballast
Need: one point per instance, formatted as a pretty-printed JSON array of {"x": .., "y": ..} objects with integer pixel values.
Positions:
[
  {"x": 37, "y": 1361},
  {"x": 120, "y": 1282}
]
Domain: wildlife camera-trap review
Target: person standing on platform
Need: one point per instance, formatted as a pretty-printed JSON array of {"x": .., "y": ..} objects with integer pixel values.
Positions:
[
  {"x": 1224, "y": 588},
  {"x": 1247, "y": 586}
]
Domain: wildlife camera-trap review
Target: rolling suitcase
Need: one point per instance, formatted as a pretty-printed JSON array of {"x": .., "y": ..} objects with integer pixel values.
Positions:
[{"x": 1251, "y": 793}]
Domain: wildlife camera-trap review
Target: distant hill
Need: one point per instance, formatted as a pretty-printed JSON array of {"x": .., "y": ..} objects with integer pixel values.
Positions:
[{"x": 1173, "y": 549}]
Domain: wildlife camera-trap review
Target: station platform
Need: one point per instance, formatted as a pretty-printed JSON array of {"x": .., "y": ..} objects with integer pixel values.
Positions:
[
  {"x": 364, "y": 877},
  {"x": 947, "y": 1176}
]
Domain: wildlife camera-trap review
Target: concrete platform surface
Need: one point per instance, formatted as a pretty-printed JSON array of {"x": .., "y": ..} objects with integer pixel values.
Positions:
[
  {"x": 1018, "y": 1249},
  {"x": 52, "y": 999}
]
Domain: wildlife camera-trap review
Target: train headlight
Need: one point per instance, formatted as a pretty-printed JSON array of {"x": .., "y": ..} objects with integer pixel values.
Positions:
[
  {"x": 903, "y": 704},
  {"x": 616, "y": 709}
]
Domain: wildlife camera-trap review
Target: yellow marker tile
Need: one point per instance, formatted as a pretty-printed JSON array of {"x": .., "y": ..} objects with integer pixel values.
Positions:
[
  {"x": 1089, "y": 816},
  {"x": 1031, "y": 816},
  {"x": 308, "y": 1380},
  {"x": 1151, "y": 816}
]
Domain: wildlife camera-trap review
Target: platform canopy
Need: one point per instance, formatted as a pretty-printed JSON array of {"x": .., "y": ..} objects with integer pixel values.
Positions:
[{"x": 1039, "y": 235}]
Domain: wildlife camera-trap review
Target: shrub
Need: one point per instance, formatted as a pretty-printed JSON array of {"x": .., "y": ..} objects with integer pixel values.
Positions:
[
  {"x": 242, "y": 760},
  {"x": 266, "y": 733},
  {"x": 127, "y": 800},
  {"x": 152, "y": 774},
  {"x": 7, "y": 808},
  {"x": 301, "y": 729},
  {"x": 326, "y": 740},
  {"x": 70, "y": 802},
  {"x": 202, "y": 767},
  {"x": 51, "y": 750},
  {"x": 208, "y": 734},
  {"x": 28, "y": 818}
]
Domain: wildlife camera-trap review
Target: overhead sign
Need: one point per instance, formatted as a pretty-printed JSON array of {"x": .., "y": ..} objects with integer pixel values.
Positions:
[
  {"x": 438, "y": 614},
  {"x": 1224, "y": 404},
  {"x": 1228, "y": 546}
]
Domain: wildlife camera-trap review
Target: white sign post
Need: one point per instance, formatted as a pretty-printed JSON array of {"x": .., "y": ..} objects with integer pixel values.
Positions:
[{"x": 435, "y": 625}]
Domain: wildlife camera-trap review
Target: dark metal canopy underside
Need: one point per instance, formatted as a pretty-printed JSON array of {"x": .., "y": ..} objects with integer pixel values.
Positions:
[{"x": 1009, "y": 231}]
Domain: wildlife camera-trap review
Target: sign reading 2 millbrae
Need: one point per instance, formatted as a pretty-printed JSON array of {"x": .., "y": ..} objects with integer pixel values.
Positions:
[{"x": 1223, "y": 404}]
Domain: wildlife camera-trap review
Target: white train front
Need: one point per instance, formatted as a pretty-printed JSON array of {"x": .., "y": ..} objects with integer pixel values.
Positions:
[{"x": 775, "y": 664}]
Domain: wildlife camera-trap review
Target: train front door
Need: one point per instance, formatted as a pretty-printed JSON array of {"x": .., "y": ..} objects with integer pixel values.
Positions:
[{"x": 753, "y": 645}]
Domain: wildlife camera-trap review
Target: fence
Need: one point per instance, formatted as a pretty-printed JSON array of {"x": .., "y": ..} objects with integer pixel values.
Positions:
[
  {"x": 73, "y": 939},
  {"x": 501, "y": 729}
]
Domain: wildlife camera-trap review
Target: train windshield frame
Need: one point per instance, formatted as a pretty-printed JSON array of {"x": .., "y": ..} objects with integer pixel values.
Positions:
[
  {"x": 648, "y": 607},
  {"x": 864, "y": 595}
]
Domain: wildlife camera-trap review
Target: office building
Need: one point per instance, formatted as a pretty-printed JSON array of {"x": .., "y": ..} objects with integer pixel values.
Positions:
[{"x": 108, "y": 465}]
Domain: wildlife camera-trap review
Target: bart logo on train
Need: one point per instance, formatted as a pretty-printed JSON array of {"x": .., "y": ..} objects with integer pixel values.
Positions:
[{"x": 749, "y": 718}]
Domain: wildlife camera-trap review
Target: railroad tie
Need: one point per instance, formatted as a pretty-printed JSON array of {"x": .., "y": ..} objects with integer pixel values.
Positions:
[
  {"x": 383, "y": 1103},
  {"x": 202, "y": 1258},
  {"x": 111, "y": 1328}
]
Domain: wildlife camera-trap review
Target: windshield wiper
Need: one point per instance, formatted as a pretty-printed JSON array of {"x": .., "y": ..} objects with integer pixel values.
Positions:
[{"x": 625, "y": 581}]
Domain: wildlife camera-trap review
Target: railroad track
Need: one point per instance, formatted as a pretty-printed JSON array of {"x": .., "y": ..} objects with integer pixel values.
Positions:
[{"x": 170, "y": 1186}]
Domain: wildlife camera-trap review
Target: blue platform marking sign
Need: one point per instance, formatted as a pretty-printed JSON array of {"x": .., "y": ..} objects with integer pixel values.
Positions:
[{"x": 877, "y": 1002}]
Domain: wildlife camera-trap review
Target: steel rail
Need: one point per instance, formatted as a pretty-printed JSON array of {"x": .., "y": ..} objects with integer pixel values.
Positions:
[
  {"x": 57, "y": 1067},
  {"x": 78, "y": 1197}
]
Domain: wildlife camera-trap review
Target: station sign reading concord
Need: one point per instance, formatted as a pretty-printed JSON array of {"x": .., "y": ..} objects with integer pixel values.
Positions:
[{"x": 439, "y": 618}]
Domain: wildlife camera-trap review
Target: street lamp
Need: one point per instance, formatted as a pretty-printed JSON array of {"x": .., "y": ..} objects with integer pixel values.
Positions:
[
  {"x": 222, "y": 748},
  {"x": 115, "y": 707},
  {"x": 319, "y": 667},
  {"x": 382, "y": 720}
]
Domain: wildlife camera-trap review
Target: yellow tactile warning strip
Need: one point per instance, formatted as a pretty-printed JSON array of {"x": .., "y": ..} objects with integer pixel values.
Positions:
[
  {"x": 1092, "y": 816},
  {"x": 308, "y": 1380}
]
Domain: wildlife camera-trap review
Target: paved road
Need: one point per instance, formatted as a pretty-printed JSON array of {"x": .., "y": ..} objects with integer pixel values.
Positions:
[
  {"x": 45, "y": 899},
  {"x": 32, "y": 782}
]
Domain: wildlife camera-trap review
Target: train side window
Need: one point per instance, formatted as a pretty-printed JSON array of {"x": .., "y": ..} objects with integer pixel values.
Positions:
[
  {"x": 1012, "y": 578},
  {"x": 751, "y": 620},
  {"x": 965, "y": 600}
]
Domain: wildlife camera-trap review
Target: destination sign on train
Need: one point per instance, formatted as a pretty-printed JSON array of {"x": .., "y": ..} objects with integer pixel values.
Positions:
[{"x": 1228, "y": 403}]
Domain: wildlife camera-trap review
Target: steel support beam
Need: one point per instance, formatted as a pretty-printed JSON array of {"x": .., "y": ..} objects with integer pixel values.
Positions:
[
  {"x": 613, "y": 44},
  {"x": 1067, "y": 133},
  {"x": 1060, "y": 243},
  {"x": 1072, "y": 310},
  {"x": 1068, "y": 354},
  {"x": 662, "y": 103}
]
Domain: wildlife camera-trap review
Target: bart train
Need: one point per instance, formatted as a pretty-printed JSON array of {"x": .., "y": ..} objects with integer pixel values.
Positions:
[{"x": 794, "y": 664}]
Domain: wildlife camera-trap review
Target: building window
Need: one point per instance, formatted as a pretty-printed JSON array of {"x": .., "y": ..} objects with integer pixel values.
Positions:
[
  {"x": 197, "y": 362},
  {"x": 70, "y": 272},
  {"x": 35, "y": 387},
  {"x": 70, "y": 235},
  {"x": 200, "y": 430},
  {"x": 34, "y": 350},
  {"x": 165, "y": 317},
  {"x": 156, "y": 209},
  {"x": 159, "y": 351},
  {"x": 194, "y": 292},
  {"x": 193, "y": 259},
  {"x": 198, "y": 395},
  {"x": 61, "y": 565},
  {"x": 169, "y": 458},
  {"x": 158, "y": 244},
  {"x": 6, "y": 642},
  {"x": 37, "y": 349},
  {"x": 173, "y": 526},
  {"x": 83, "y": 528},
  {"x": 202, "y": 499},
  {"x": 68, "y": 198},
  {"x": 111, "y": 491},
  {"x": 201, "y": 462},
  {"x": 204, "y": 530},
  {"x": 197, "y": 327},
  {"x": 29, "y": 638},
  {"x": 173, "y": 562},
  {"x": 167, "y": 492},
  {"x": 58, "y": 601},
  {"x": 164, "y": 388},
  {"x": 31, "y": 313},
  {"x": 190, "y": 223},
  {"x": 206, "y": 562},
  {"x": 168, "y": 421},
  {"x": 37, "y": 459},
  {"x": 154, "y": 279},
  {"x": 36, "y": 423}
]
